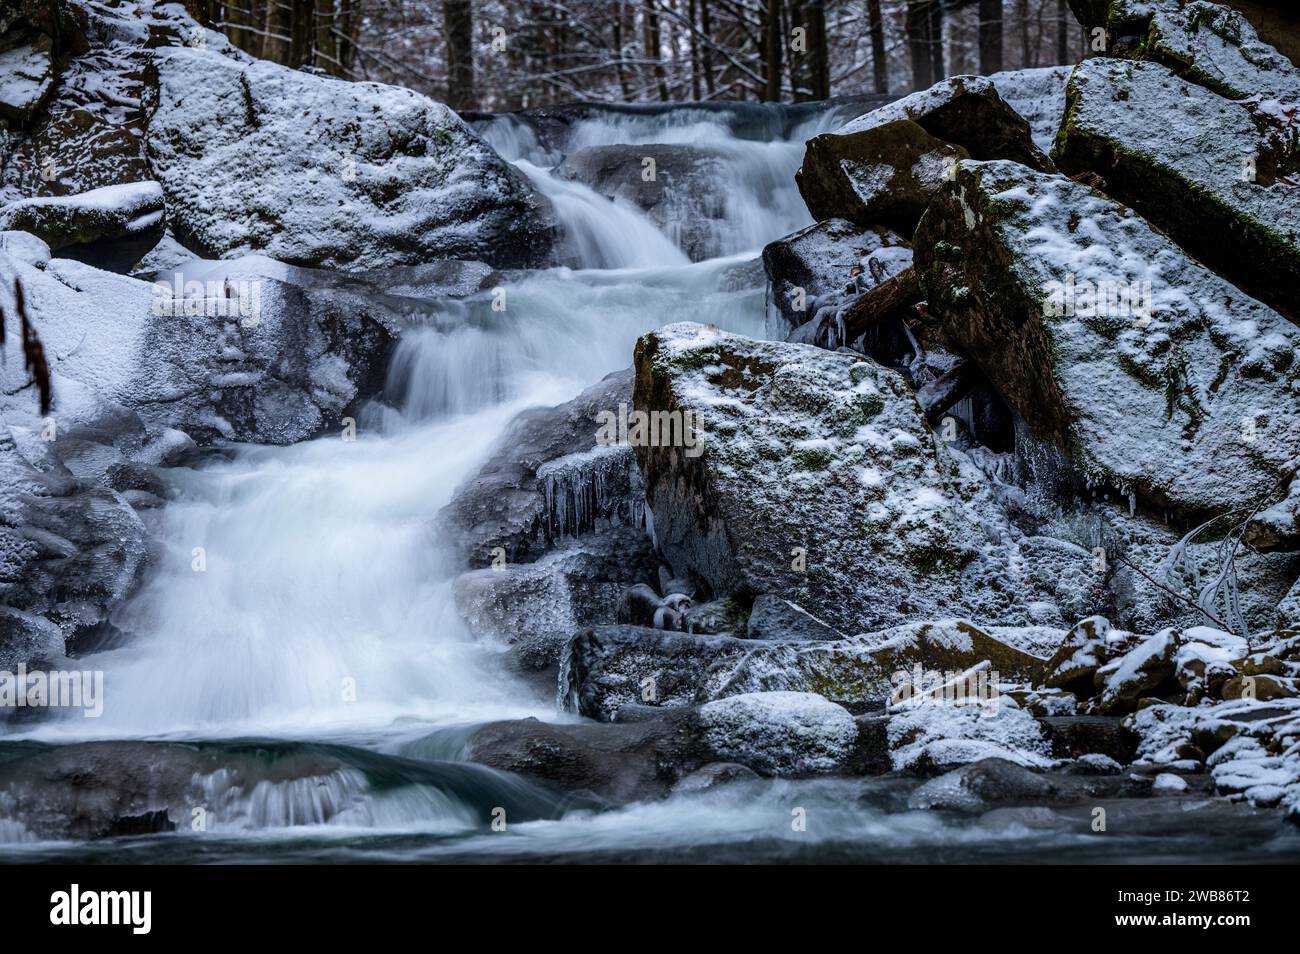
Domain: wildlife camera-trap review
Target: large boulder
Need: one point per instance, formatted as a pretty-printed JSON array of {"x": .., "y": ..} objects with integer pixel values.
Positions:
[
  {"x": 547, "y": 480},
  {"x": 1155, "y": 376},
  {"x": 112, "y": 227},
  {"x": 780, "y": 733},
  {"x": 821, "y": 269},
  {"x": 621, "y": 762},
  {"x": 250, "y": 350},
  {"x": 814, "y": 477},
  {"x": 1214, "y": 188},
  {"x": 317, "y": 171},
  {"x": 1215, "y": 46},
  {"x": 608, "y": 667},
  {"x": 882, "y": 167}
]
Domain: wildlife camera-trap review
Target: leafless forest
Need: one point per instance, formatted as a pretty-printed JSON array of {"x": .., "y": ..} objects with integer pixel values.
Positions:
[{"x": 494, "y": 55}]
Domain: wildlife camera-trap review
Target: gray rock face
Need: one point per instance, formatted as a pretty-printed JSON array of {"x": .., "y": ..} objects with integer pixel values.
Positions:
[
  {"x": 1151, "y": 373},
  {"x": 622, "y": 762},
  {"x": 549, "y": 480},
  {"x": 316, "y": 171},
  {"x": 538, "y": 607},
  {"x": 113, "y": 227},
  {"x": 817, "y": 480},
  {"x": 682, "y": 192},
  {"x": 70, "y": 550},
  {"x": 608, "y": 667},
  {"x": 1219, "y": 179},
  {"x": 774, "y": 618}
]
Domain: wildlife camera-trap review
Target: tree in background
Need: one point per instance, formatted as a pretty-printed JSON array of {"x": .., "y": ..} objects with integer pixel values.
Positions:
[{"x": 510, "y": 54}]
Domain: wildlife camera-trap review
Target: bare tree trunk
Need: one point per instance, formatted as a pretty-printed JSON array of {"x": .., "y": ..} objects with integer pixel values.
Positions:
[
  {"x": 302, "y": 33},
  {"x": 620, "y": 67},
  {"x": 772, "y": 52},
  {"x": 458, "y": 35},
  {"x": 924, "y": 27},
  {"x": 990, "y": 32},
  {"x": 1022, "y": 14},
  {"x": 879, "y": 65},
  {"x": 691, "y": 15},
  {"x": 1063, "y": 32},
  {"x": 653, "y": 50},
  {"x": 706, "y": 56},
  {"x": 819, "y": 74}
]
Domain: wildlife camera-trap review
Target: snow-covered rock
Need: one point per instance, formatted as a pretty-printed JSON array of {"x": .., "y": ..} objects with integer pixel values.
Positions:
[
  {"x": 70, "y": 550},
  {"x": 779, "y": 733},
  {"x": 253, "y": 350},
  {"x": 608, "y": 667},
  {"x": 1251, "y": 747},
  {"x": 1215, "y": 46},
  {"x": 1218, "y": 178},
  {"x": 820, "y": 269},
  {"x": 882, "y": 167},
  {"x": 258, "y": 158},
  {"x": 27, "y": 75},
  {"x": 1155, "y": 376},
  {"x": 930, "y": 736},
  {"x": 25, "y": 247},
  {"x": 815, "y": 478},
  {"x": 113, "y": 226},
  {"x": 1038, "y": 95}
]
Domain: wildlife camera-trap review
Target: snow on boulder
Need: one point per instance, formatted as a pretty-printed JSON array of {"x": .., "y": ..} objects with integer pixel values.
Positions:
[
  {"x": 113, "y": 226},
  {"x": 1214, "y": 187},
  {"x": 1038, "y": 95},
  {"x": 812, "y": 476},
  {"x": 25, "y": 247},
  {"x": 817, "y": 271},
  {"x": 318, "y": 171},
  {"x": 1155, "y": 376},
  {"x": 249, "y": 350},
  {"x": 931, "y": 735},
  {"x": 608, "y": 667},
  {"x": 779, "y": 733},
  {"x": 1215, "y": 46},
  {"x": 882, "y": 167},
  {"x": 27, "y": 75}
]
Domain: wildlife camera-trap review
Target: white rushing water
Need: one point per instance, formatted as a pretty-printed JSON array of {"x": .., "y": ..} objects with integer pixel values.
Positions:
[{"x": 320, "y": 602}]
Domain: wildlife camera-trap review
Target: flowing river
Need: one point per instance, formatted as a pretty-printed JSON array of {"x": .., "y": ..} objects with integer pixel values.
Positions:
[{"x": 315, "y": 681}]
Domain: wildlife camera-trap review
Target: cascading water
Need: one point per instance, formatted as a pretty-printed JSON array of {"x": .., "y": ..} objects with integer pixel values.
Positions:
[{"x": 296, "y": 638}]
